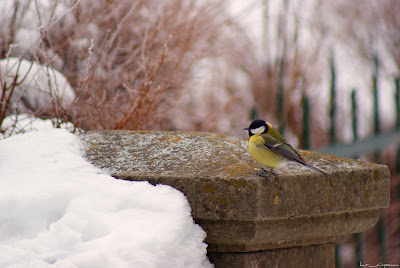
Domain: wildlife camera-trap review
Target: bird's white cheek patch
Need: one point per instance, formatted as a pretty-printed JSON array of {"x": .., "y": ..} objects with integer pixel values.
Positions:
[{"x": 258, "y": 130}]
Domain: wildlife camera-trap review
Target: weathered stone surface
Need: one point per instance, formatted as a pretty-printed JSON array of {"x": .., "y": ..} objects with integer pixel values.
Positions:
[
  {"x": 321, "y": 256},
  {"x": 240, "y": 210}
]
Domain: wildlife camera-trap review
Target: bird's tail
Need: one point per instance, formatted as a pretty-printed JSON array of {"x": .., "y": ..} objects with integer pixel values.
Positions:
[{"x": 312, "y": 167}]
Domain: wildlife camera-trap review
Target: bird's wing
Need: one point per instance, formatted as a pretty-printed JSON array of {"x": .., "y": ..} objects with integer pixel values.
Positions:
[
  {"x": 269, "y": 140},
  {"x": 276, "y": 135},
  {"x": 286, "y": 150},
  {"x": 276, "y": 143}
]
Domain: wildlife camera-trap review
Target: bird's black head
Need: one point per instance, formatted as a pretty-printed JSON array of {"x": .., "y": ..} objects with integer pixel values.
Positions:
[{"x": 257, "y": 127}]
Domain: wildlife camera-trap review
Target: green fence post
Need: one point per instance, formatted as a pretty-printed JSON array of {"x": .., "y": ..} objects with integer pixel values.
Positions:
[
  {"x": 253, "y": 113},
  {"x": 377, "y": 130},
  {"x": 332, "y": 100},
  {"x": 397, "y": 100},
  {"x": 332, "y": 128},
  {"x": 281, "y": 94},
  {"x": 354, "y": 117},
  {"x": 354, "y": 124},
  {"x": 306, "y": 123},
  {"x": 375, "y": 94},
  {"x": 397, "y": 105}
]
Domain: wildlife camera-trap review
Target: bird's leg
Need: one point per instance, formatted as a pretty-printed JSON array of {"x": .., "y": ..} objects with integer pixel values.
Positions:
[
  {"x": 270, "y": 172},
  {"x": 267, "y": 173}
]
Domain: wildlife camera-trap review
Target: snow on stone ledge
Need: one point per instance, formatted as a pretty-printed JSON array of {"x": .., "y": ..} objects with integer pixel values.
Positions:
[{"x": 57, "y": 210}]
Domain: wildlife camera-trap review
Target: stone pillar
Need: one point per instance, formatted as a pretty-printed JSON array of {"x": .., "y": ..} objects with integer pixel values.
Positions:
[{"x": 289, "y": 220}]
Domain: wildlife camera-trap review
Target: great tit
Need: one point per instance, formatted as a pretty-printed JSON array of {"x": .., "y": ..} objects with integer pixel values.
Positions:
[{"x": 270, "y": 149}]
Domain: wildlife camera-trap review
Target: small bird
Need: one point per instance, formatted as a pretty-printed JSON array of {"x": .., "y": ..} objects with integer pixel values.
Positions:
[{"x": 270, "y": 149}]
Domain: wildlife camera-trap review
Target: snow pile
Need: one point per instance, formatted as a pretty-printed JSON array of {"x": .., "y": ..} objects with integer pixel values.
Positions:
[
  {"x": 57, "y": 210},
  {"x": 22, "y": 123},
  {"x": 39, "y": 88}
]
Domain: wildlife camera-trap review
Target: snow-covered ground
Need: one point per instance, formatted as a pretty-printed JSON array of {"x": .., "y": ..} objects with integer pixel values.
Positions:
[{"x": 57, "y": 210}]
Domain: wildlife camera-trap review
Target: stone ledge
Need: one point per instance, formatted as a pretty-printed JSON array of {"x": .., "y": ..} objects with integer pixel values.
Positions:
[
  {"x": 245, "y": 236},
  {"x": 239, "y": 210},
  {"x": 313, "y": 256}
]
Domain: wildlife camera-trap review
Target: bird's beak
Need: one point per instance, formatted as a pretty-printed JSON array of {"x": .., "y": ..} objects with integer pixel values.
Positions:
[{"x": 246, "y": 128}]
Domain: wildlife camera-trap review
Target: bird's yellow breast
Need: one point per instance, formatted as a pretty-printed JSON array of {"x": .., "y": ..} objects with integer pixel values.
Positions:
[{"x": 264, "y": 155}]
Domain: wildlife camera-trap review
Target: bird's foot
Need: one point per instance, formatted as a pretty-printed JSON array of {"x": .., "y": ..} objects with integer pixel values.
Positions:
[{"x": 266, "y": 173}]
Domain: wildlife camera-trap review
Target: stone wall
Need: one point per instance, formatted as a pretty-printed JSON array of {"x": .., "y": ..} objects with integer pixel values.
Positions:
[{"x": 251, "y": 221}]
